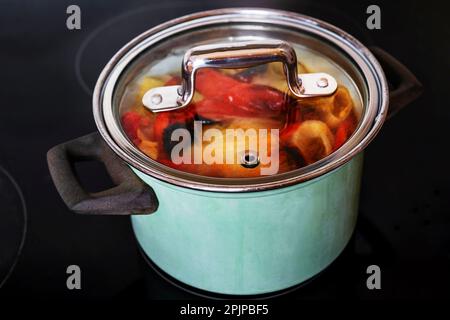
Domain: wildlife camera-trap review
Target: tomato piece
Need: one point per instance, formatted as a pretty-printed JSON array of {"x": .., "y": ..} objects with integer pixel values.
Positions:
[{"x": 130, "y": 123}]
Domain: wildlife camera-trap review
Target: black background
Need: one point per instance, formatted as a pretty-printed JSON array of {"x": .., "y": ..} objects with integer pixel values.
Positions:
[{"x": 48, "y": 72}]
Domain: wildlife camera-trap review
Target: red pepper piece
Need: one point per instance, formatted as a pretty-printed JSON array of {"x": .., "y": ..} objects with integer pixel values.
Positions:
[
  {"x": 162, "y": 121},
  {"x": 344, "y": 131},
  {"x": 182, "y": 166},
  {"x": 248, "y": 74},
  {"x": 146, "y": 127},
  {"x": 259, "y": 99},
  {"x": 294, "y": 115},
  {"x": 217, "y": 110},
  {"x": 173, "y": 81},
  {"x": 287, "y": 133},
  {"x": 212, "y": 83},
  {"x": 169, "y": 163},
  {"x": 130, "y": 123},
  {"x": 145, "y": 122},
  {"x": 247, "y": 99},
  {"x": 166, "y": 122}
]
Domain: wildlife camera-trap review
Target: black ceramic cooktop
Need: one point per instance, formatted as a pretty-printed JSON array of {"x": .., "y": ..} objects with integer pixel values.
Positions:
[{"x": 48, "y": 73}]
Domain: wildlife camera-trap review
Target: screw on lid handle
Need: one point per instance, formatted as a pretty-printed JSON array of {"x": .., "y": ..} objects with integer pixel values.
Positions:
[{"x": 238, "y": 55}]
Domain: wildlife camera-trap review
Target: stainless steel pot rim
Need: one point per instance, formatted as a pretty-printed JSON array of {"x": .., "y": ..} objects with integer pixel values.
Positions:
[{"x": 370, "y": 124}]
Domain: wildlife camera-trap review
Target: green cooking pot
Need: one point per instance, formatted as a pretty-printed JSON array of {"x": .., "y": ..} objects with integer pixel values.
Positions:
[{"x": 241, "y": 236}]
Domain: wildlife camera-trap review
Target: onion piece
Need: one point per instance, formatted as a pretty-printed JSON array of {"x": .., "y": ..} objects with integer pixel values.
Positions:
[
  {"x": 333, "y": 109},
  {"x": 312, "y": 138}
]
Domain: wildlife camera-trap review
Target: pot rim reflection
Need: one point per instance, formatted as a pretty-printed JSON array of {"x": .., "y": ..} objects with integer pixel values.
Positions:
[{"x": 374, "y": 114}]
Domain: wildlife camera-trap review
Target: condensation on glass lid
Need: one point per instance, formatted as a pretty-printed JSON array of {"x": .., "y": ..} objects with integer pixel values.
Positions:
[{"x": 241, "y": 122}]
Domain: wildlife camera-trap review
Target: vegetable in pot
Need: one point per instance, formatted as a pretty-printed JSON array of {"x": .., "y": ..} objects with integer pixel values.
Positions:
[
  {"x": 312, "y": 138},
  {"x": 309, "y": 129}
]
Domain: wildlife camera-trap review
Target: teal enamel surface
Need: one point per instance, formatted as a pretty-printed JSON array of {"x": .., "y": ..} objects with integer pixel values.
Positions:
[{"x": 251, "y": 243}]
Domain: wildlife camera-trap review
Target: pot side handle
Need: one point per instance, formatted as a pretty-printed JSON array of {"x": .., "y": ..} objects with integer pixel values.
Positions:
[
  {"x": 403, "y": 85},
  {"x": 129, "y": 196}
]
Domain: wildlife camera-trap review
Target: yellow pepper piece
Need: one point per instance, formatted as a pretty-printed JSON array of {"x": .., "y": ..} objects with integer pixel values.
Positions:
[
  {"x": 148, "y": 83},
  {"x": 150, "y": 148},
  {"x": 197, "y": 97}
]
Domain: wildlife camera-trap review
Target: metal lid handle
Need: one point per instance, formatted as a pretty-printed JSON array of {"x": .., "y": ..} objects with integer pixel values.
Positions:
[{"x": 238, "y": 55}]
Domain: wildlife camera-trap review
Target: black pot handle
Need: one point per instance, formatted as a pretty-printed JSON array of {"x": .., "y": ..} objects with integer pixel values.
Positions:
[
  {"x": 404, "y": 87},
  {"x": 129, "y": 196}
]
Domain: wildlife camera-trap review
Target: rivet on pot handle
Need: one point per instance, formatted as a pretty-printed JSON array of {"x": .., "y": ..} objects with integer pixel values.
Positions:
[
  {"x": 238, "y": 55},
  {"x": 404, "y": 86},
  {"x": 129, "y": 196}
]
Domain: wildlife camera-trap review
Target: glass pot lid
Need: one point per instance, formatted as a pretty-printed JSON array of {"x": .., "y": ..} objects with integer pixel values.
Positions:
[{"x": 235, "y": 100}]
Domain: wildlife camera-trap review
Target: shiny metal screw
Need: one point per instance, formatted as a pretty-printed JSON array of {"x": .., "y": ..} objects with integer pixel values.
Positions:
[
  {"x": 322, "y": 83},
  {"x": 156, "y": 99}
]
